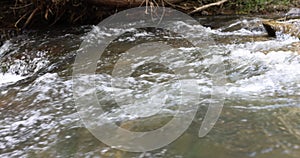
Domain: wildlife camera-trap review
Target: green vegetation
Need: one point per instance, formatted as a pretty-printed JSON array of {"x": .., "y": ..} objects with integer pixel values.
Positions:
[{"x": 261, "y": 6}]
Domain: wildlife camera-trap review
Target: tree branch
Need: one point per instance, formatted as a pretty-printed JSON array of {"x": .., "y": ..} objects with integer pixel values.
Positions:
[{"x": 207, "y": 6}]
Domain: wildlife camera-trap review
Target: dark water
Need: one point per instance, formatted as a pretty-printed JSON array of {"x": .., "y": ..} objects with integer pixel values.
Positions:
[{"x": 260, "y": 117}]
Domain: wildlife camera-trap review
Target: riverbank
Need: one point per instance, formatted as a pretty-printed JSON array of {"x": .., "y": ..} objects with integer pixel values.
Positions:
[{"x": 41, "y": 13}]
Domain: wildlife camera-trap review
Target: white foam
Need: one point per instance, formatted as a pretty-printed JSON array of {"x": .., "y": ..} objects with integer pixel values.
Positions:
[
  {"x": 5, "y": 47},
  {"x": 281, "y": 75},
  {"x": 241, "y": 32},
  {"x": 9, "y": 78}
]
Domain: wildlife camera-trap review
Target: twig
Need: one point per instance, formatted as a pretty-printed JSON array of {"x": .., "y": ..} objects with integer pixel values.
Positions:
[
  {"x": 169, "y": 3},
  {"x": 14, "y": 11},
  {"x": 207, "y": 6},
  {"x": 16, "y": 24},
  {"x": 173, "y": 3},
  {"x": 20, "y": 7},
  {"x": 142, "y": 3},
  {"x": 80, "y": 16},
  {"x": 31, "y": 16},
  {"x": 58, "y": 17},
  {"x": 164, "y": 10}
]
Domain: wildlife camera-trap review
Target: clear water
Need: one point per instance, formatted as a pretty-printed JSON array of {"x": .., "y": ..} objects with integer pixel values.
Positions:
[{"x": 260, "y": 117}]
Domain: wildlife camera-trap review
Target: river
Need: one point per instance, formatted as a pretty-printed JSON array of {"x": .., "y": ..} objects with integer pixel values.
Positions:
[{"x": 260, "y": 117}]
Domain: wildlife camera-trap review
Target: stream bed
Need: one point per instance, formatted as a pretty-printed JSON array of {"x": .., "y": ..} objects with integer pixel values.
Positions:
[{"x": 260, "y": 117}]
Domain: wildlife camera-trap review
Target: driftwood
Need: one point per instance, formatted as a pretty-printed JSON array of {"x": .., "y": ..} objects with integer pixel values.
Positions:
[
  {"x": 291, "y": 27},
  {"x": 127, "y": 3},
  {"x": 290, "y": 24}
]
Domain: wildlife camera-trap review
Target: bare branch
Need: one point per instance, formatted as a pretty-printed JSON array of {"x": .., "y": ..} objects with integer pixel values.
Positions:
[{"x": 207, "y": 6}]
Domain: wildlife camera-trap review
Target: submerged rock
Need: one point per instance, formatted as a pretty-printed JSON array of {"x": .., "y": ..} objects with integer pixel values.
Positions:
[
  {"x": 293, "y": 48},
  {"x": 146, "y": 124}
]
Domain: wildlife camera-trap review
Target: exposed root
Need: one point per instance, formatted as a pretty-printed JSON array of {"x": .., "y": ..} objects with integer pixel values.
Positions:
[
  {"x": 89, "y": 11},
  {"x": 153, "y": 5},
  {"x": 20, "y": 19},
  {"x": 58, "y": 17},
  {"x": 20, "y": 7},
  {"x": 51, "y": 11},
  {"x": 31, "y": 16}
]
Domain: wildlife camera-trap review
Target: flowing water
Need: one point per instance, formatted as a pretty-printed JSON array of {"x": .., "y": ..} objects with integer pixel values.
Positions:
[{"x": 260, "y": 117}]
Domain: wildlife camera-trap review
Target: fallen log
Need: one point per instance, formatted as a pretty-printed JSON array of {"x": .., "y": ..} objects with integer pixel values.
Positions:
[{"x": 127, "y": 3}]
